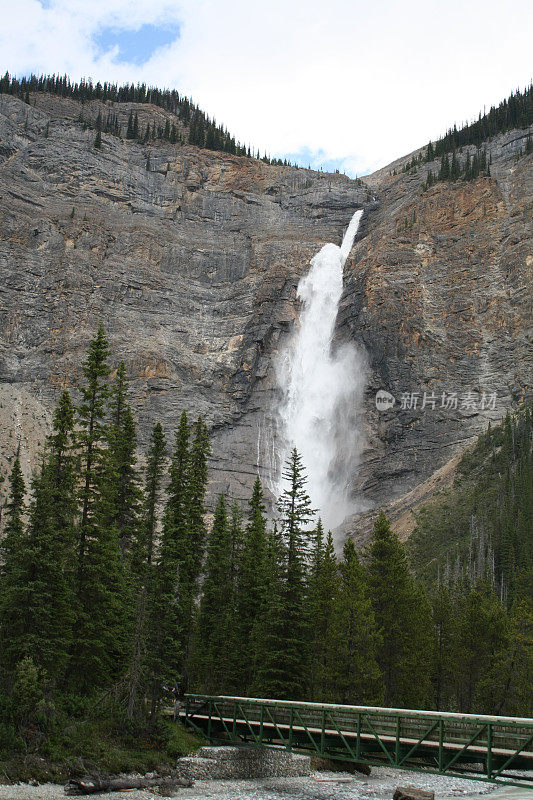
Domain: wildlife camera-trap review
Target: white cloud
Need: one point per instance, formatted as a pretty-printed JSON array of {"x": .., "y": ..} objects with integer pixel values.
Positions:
[{"x": 364, "y": 83}]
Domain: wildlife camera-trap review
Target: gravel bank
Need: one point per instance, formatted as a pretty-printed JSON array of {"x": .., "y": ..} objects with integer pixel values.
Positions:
[{"x": 379, "y": 785}]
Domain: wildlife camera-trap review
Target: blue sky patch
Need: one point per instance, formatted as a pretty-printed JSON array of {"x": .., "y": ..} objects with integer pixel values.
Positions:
[
  {"x": 135, "y": 47},
  {"x": 318, "y": 160}
]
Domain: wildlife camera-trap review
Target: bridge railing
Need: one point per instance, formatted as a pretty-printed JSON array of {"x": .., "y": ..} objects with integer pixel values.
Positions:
[{"x": 448, "y": 742}]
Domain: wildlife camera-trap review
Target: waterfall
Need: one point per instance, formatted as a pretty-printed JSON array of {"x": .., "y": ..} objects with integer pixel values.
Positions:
[{"x": 321, "y": 388}]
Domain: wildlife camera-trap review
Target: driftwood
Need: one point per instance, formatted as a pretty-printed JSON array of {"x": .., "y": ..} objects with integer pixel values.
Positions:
[{"x": 89, "y": 785}]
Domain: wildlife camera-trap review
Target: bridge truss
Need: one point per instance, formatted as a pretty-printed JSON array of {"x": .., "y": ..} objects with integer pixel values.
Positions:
[{"x": 477, "y": 747}]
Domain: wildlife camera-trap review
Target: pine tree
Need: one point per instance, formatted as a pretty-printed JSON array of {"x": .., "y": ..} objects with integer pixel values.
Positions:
[
  {"x": 195, "y": 504},
  {"x": 91, "y": 437},
  {"x": 210, "y": 657},
  {"x": 455, "y": 170},
  {"x": 482, "y": 635},
  {"x": 269, "y": 633},
  {"x": 12, "y": 567},
  {"x": 399, "y": 618},
  {"x": 233, "y": 682},
  {"x": 129, "y": 132},
  {"x": 354, "y": 640},
  {"x": 102, "y": 622},
  {"x": 295, "y": 510},
  {"x": 152, "y": 493},
  {"x": 98, "y": 140},
  {"x": 119, "y": 483},
  {"x": 322, "y": 593},
  {"x": 38, "y": 605},
  {"x": 15, "y": 507},
  {"x": 443, "y": 655},
  {"x": 175, "y": 575},
  {"x": 52, "y": 539},
  {"x": 251, "y": 584},
  {"x": 140, "y": 678},
  {"x": 506, "y": 687}
]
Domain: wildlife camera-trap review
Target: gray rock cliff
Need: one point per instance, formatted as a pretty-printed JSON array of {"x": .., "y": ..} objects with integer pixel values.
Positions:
[{"x": 192, "y": 266}]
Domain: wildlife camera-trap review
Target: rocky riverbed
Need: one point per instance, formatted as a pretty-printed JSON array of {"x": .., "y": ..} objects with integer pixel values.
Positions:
[{"x": 379, "y": 785}]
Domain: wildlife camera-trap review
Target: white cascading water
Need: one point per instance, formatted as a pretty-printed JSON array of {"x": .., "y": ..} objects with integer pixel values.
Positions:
[{"x": 321, "y": 389}]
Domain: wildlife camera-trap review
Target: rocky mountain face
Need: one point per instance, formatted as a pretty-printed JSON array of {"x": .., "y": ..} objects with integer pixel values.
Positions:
[{"x": 191, "y": 260}]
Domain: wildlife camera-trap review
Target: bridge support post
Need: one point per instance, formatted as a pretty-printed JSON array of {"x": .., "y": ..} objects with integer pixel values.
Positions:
[
  {"x": 323, "y": 734},
  {"x": 397, "y": 744},
  {"x": 291, "y": 721},
  {"x": 209, "y": 723},
  {"x": 489, "y": 751},
  {"x": 441, "y": 746},
  {"x": 358, "y": 743}
]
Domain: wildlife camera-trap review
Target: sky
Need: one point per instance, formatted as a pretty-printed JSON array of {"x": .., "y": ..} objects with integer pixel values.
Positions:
[{"x": 334, "y": 84}]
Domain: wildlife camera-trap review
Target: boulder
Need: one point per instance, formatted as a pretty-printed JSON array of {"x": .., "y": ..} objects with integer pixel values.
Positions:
[{"x": 412, "y": 793}]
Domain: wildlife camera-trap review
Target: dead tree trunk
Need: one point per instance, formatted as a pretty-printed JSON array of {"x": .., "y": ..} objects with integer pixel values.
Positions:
[{"x": 80, "y": 786}]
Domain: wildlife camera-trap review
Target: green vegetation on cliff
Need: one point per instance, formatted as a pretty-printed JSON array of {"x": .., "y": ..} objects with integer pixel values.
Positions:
[
  {"x": 482, "y": 528},
  {"x": 201, "y": 131},
  {"x": 514, "y": 112}
]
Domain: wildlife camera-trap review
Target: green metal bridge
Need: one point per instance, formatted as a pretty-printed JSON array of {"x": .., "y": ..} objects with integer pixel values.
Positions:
[{"x": 484, "y": 748}]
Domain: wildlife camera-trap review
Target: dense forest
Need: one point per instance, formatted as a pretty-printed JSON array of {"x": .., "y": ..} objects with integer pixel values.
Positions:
[
  {"x": 112, "y": 588},
  {"x": 201, "y": 130},
  {"x": 513, "y": 113}
]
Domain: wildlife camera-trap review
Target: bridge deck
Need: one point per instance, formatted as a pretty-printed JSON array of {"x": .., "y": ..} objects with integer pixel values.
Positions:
[{"x": 475, "y": 746}]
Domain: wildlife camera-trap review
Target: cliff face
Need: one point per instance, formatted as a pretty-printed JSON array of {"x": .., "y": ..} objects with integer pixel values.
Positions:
[
  {"x": 439, "y": 291},
  {"x": 192, "y": 266}
]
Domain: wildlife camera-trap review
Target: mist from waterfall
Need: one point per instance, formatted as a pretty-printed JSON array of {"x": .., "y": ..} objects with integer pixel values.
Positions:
[{"x": 321, "y": 389}]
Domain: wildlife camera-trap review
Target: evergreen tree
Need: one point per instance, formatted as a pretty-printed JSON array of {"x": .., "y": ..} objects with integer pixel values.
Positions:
[
  {"x": 140, "y": 678},
  {"x": 354, "y": 637},
  {"x": 175, "y": 590},
  {"x": 269, "y": 634},
  {"x": 323, "y": 590},
  {"x": 211, "y": 651},
  {"x": 12, "y": 565},
  {"x": 251, "y": 585},
  {"x": 195, "y": 504},
  {"x": 91, "y": 437},
  {"x": 443, "y": 655},
  {"x": 129, "y": 132},
  {"x": 400, "y": 619},
  {"x": 38, "y": 599},
  {"x": 506, "y": 687},
  {"x": 295, "y": 511},
  {"x": 234, "y": 659},
  {"x": 102, "y": 622},
  {"x": 15, "y": 506},
  {"x": 482, "y": 635},
  {"x": 120, "y": 486},
  {"x": 455, "y": 170},
  {"x": 152, "y": 493}
]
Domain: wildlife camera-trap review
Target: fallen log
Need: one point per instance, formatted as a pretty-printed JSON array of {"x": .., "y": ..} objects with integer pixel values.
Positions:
[{"x": 90, "y": 785}]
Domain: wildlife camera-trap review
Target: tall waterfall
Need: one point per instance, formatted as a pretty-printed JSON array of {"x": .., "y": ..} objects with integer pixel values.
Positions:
[{"x": 321, "y": 388}]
